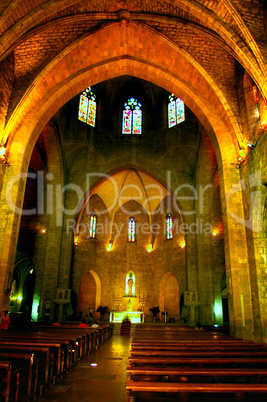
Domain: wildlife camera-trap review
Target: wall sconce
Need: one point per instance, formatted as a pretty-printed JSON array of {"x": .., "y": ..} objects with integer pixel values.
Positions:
[
  {"x": 3, "y": 154},
  {"x": 241, "y": 158},
  {"x": 263, "y": 126},
  {"x": 109, "y": 246},
  {"x": 255, "y": 93},
  {"x": 150, "y": 248},
  {"x": 242, "y": 153},
  {"x": 183, "y": 244},
  {"x": 251, "y": 144}
]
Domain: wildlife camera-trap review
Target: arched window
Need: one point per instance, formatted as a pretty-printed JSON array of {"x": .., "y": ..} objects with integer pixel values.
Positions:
[
  {"x": 87, "y": 107},
  {"x": 131, "y": 230},
  {"x": 169, "y": 226},
  {"x": 175, "y": 110},
  {"x": 132, "y": 117},
  {"x": 92, "y": 226}
]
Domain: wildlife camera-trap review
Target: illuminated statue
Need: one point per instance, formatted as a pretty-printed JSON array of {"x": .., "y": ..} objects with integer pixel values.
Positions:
[
  {"x": 130, "y": 285},
  {"x": 129, "y": 305}
]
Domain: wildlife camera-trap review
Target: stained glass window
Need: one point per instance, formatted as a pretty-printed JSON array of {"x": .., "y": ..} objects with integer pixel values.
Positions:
[
  {"x": 92, "y": 226},
  {"x": 132, "y": 117},
  {"x": 175, "y": 111},
  {"x": 131, "y": 230},
  {"x": 169, "y": 226},
  {"x": 87, "y": 107}
]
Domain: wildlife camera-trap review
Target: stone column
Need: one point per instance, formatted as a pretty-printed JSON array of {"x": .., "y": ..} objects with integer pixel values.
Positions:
[
  {"x": 236, "y": 257},
  {"x": 12, "y": 195}
]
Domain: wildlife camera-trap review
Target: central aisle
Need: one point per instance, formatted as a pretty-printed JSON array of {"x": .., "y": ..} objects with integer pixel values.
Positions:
[{"x": 105, "y": 382}]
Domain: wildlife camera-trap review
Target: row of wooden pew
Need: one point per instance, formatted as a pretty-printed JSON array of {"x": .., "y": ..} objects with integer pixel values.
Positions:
[
  {"x": 181, "y": 363},
  {"x": 32, "y": 360}
]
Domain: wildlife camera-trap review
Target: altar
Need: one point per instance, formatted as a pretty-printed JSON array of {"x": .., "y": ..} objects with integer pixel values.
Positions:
[{"x": 133, "y": 316}]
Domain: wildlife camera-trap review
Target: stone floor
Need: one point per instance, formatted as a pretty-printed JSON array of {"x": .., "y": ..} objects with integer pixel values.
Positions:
[{"x": 103, "y": 383}]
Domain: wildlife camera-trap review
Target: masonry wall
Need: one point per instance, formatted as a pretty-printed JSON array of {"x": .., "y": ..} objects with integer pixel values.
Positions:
[{"x": 148, "y": 268}]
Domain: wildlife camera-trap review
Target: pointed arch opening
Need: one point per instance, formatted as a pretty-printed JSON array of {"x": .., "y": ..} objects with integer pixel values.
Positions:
[
  {"x": 169, "y": 296},
  {"x": 90, "y": 293}
]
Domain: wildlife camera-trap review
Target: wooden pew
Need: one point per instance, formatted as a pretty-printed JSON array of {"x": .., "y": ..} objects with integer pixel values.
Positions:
[
  {"x": 23, "y": 362},
  {"x": 178, "y": 374},
  {"x": 203, "y": 347},
  {"x": 55, "y": 350},
  {"x": 172, "y": 340},
  {"x": 67, "y": 344},
  {"x": 43, "y": 354},
  {"x": 198, "y": 362},
  {"x": 9, "y": 381},
  {"x": 198, "y": 353},
  {"x": 47, "y": 345},
  {"x": 77, "y": 337},
  {"x": 134, "y": 389},
  {"x": 189, "y": 361}
]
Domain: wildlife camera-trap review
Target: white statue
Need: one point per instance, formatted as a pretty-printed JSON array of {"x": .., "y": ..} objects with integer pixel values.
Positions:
[{"x": 130, "y": 285}]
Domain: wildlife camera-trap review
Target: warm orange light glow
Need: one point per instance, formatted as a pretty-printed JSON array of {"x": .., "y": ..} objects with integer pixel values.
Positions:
[
  {"x": 263, "y": 126},
  {"x": 214, "y": 233},
  {"x": 150, "y": 248},
  {"x": 183, "y": 244},
  {"x": 76, "y": 240},
  {"x": 255, "y": 92},
  {"x": 109, "y": 246},
  {"x": 2, "y": 152},
  {"x": 44, "y": 231},
  {"x": 3, "y": 157},
  {"x": 242, "y": 153}
]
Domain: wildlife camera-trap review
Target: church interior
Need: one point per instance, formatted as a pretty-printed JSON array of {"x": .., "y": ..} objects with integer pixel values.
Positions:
[{"x": 133, "y": 161}]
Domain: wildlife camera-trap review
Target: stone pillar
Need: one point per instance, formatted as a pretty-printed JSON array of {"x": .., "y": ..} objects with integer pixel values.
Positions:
[
  {"x": 11, "y": 197},
  {"x": 236, "y": 258}
]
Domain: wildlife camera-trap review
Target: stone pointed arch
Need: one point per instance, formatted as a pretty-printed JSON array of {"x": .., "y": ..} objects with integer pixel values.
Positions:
[
  {"x": 169, "y": 295},
  {"x": 90, "y": 283},
  {"x": 62, "y": 79},
  {"x": 137, "y": 53}
]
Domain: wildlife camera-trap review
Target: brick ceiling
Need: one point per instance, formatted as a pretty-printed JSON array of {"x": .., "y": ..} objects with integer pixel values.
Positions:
[{"x": 216, "y": 36}]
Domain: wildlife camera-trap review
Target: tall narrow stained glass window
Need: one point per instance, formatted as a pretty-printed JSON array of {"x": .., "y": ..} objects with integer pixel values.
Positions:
[
  {"x": 169, "y": 226},
  {"x": 87, "y": 107},
  {"x": 176, "y": 113},
  {"x": 92, "y": 226},
  {"x": 131, "y": 230},
  {"x": 132, "y": 117}
]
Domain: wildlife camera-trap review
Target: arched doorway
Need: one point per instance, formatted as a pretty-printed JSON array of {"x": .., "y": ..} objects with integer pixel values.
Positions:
[
  {"x": 23, "y": 282},
  {"x": 169, "y": 297},
  {"x": 89, "y": 295}
]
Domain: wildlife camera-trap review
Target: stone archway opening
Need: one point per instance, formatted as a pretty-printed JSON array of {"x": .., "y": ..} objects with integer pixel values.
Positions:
[
  {"x": 89, "y": 295},
  {"x": 169, "y": 298}
]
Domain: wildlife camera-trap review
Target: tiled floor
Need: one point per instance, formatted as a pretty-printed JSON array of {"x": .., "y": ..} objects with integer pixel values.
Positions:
[{"x": 103, "y": 383}]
